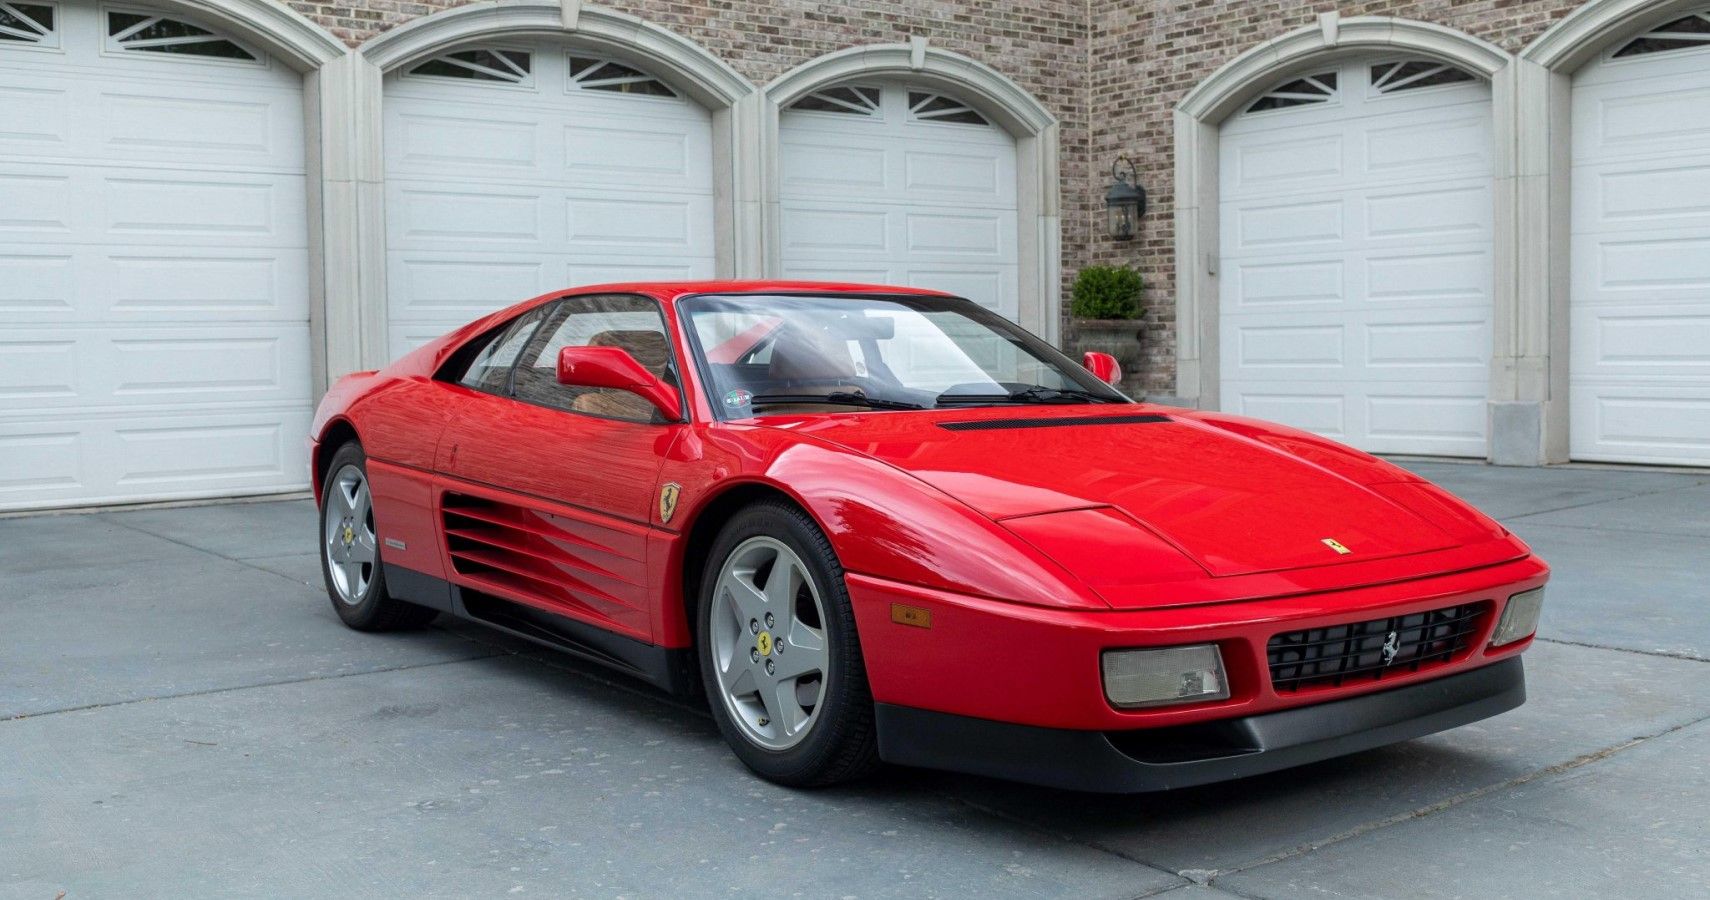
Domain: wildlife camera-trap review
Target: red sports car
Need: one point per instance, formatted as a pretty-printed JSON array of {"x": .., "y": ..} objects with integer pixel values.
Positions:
[{"x": 875, "y": 523}]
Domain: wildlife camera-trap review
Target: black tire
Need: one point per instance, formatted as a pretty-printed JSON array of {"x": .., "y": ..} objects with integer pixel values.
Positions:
[
  {"x": 374, "y": 609},
  {"x": 841, "y": 743}
]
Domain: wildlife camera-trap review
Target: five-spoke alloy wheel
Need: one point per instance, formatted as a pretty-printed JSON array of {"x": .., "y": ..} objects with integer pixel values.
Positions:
[
  {"x": 768, "y": 641},
  {"x": 350, "y": 550},
  {"x": 347, "y": 527},
  {"x": 780, "y": 658}
]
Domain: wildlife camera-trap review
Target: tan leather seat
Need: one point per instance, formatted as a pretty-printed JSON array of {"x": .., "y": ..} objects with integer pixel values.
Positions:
[
  {"x": 651, "y": 350},
  {"x": 811, "y": 355}
]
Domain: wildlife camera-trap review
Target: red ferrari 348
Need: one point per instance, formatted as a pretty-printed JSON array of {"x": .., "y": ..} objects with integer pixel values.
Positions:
[{"x": 880, "y": 524}]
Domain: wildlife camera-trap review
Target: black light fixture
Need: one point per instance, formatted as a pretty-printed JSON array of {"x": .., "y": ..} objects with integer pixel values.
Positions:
[{"x": 1125, "y": 201}]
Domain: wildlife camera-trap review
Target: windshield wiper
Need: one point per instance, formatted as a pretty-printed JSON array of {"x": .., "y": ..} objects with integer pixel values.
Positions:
[
  {"x": 835, "y": 398},
  {"x": 1036, "y": 394}
]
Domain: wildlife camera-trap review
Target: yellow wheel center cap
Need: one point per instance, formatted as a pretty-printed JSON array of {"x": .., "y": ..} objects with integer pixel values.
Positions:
[
  {"x": 349, "y": 535},
  {"x": 764, "y": 643}
]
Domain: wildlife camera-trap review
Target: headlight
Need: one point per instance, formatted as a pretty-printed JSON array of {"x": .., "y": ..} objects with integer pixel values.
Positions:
[
  {"x": 1167, "y": 675},
  {"x": 1519, "y": 617}
]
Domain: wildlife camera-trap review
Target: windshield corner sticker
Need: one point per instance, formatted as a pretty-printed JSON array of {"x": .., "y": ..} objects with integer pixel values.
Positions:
[{"x": 738, "y": 398}]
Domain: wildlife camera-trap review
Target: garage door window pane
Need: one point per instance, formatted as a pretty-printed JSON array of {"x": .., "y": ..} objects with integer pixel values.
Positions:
[
  {"x": 27, "y": 23},
  {"x": 1308, "y": 91},
  {"x": 1689, "y": 33},
  {"x": 939, "y": 108},
  {"x": 480, "y": 64},
  {"x": 1411, "y": 74},
  {"x": 157, "y": 34},
  {"x": 858, "y": 101},
  {"x": 604, "y": 75}
]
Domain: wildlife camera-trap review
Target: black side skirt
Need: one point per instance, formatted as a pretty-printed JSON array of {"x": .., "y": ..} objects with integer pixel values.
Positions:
[
  {"x": 1163, "y": 758},
  {"x": 670, "y": 668}
]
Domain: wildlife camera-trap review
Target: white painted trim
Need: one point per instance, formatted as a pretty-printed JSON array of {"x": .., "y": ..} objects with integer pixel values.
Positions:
[
  {"x": 1038, "y": 177},
  {"x": 359, "y": 216},
  {"x": 1224, "y": 92},
  {"x": 1545, "y": 158}
]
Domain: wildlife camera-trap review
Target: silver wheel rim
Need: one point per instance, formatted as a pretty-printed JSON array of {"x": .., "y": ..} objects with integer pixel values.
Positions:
[
  {"x": 765, "y": 599},
  {"x": 347, "y": 528}
]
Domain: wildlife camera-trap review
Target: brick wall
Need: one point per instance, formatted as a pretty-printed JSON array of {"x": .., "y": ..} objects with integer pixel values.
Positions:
[{"x": 1110, "y": 70}]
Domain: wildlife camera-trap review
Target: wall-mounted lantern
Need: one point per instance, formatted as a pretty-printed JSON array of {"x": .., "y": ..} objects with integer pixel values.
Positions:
[{"x": 1125, "y": 201}]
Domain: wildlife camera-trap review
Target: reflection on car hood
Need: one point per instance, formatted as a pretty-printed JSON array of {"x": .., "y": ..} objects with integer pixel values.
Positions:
[{"x": 1235, "y": 496}]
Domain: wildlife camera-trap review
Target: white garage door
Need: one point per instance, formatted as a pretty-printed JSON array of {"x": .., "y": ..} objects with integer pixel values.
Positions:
[
  {"x": 1356, "y": 256},
  {"x": 153, "y": 260},
  {"x": 1640, "y": 321},
  {"x": 518, "y": 169},
  {"x": 894, "y": 184}
]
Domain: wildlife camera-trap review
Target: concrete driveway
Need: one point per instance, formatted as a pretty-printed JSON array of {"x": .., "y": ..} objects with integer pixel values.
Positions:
[{"x": 181, "y": 714}]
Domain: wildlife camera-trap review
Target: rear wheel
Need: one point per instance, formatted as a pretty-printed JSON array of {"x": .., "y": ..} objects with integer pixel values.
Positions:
[
  {"x": 350, "y": 551},
  {"x": 779, "y": 654}
]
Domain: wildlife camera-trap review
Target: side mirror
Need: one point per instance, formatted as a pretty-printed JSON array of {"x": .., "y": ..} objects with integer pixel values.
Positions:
[
  {"x": 613, "y": 367},
  {"x": 1103, "y": 366}
]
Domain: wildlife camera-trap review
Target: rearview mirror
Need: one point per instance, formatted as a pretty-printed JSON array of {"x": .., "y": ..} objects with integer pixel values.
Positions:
[
  {"x": 1103, "y": 366},
  {"x": 613, "y": 367}
]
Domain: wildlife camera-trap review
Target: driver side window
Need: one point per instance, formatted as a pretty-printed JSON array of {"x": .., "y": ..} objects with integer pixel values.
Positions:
[{"x": 634, "y": 324}]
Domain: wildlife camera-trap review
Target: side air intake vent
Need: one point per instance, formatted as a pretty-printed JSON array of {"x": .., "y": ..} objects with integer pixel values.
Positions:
[
  {"x": 523, "y": 553},
  {"x": 1001, "y": 424}
]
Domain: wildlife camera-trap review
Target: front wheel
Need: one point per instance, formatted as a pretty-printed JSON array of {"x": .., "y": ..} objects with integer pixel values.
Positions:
[
  {"x": 350, "y": 551},
  {"x": 779, "y": 654}
]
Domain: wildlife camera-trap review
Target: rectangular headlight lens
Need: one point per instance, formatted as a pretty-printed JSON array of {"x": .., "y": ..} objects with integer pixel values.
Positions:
[
  {"x": 1166, "y": 675},
  {"x": 1519, "y": 617}
]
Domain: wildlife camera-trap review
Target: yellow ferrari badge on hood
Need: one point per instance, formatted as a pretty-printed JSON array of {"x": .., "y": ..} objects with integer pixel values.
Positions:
[{"x": 1336, "y": 545}]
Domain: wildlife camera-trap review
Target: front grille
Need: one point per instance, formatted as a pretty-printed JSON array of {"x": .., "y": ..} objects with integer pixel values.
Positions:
[{"x": 1340, "y": 654}]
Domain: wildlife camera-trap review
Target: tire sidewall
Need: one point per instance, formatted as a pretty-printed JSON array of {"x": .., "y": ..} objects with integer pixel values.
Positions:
[
  {"x": 845, "y": 684},
  {"x": 363, "y": 613}
]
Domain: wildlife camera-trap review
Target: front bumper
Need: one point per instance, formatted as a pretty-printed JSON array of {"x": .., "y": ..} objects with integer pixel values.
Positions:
[{"x": 1157, "y": 759}]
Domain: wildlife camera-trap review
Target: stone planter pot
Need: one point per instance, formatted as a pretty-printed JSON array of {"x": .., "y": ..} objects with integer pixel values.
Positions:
[{"x": 1118, "y": 337}]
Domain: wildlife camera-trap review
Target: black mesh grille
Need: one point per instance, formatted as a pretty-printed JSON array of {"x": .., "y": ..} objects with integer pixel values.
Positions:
[{"x": 1339, "y": 654}]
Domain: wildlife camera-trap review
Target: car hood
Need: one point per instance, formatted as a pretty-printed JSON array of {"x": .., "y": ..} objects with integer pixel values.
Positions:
[{"x": 1234, "y": 496}]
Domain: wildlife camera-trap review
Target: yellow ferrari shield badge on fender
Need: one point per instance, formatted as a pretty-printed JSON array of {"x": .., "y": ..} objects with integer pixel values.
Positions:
[
  {"x": 668, "y": 501},
  {"x": 1336, "y": 545}
]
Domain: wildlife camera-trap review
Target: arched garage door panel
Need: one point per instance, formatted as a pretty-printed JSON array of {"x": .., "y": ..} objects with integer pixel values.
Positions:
[
  {"x": 886, "y": 184},
  {"x": 552, "y": 170},
  {"x": 1355, "y": 280},
  {"x": 1640, "y": 308},
  {"x": 153, "y": 266}
]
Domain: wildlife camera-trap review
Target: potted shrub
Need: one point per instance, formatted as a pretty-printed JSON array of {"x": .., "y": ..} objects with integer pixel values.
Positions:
[{"x": 1104, "y": 304}]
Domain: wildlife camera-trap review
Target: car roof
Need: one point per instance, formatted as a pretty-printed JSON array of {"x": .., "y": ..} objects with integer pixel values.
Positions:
[{"x": 671, "y": 291}]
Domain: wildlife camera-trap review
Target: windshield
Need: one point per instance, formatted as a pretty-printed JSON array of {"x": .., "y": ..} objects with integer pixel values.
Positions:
[{"x": 768, "y": 353}]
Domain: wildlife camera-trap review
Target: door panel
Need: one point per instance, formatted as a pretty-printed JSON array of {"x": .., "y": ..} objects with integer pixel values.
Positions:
[{"x": 551, "y": 507}]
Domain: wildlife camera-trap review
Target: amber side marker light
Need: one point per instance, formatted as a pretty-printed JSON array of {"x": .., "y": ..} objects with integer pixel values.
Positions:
[
  {"x": 1135, "y": 678},
  {"x": 917, "y": 616},
  {"x": 1519, "y": 617}
]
